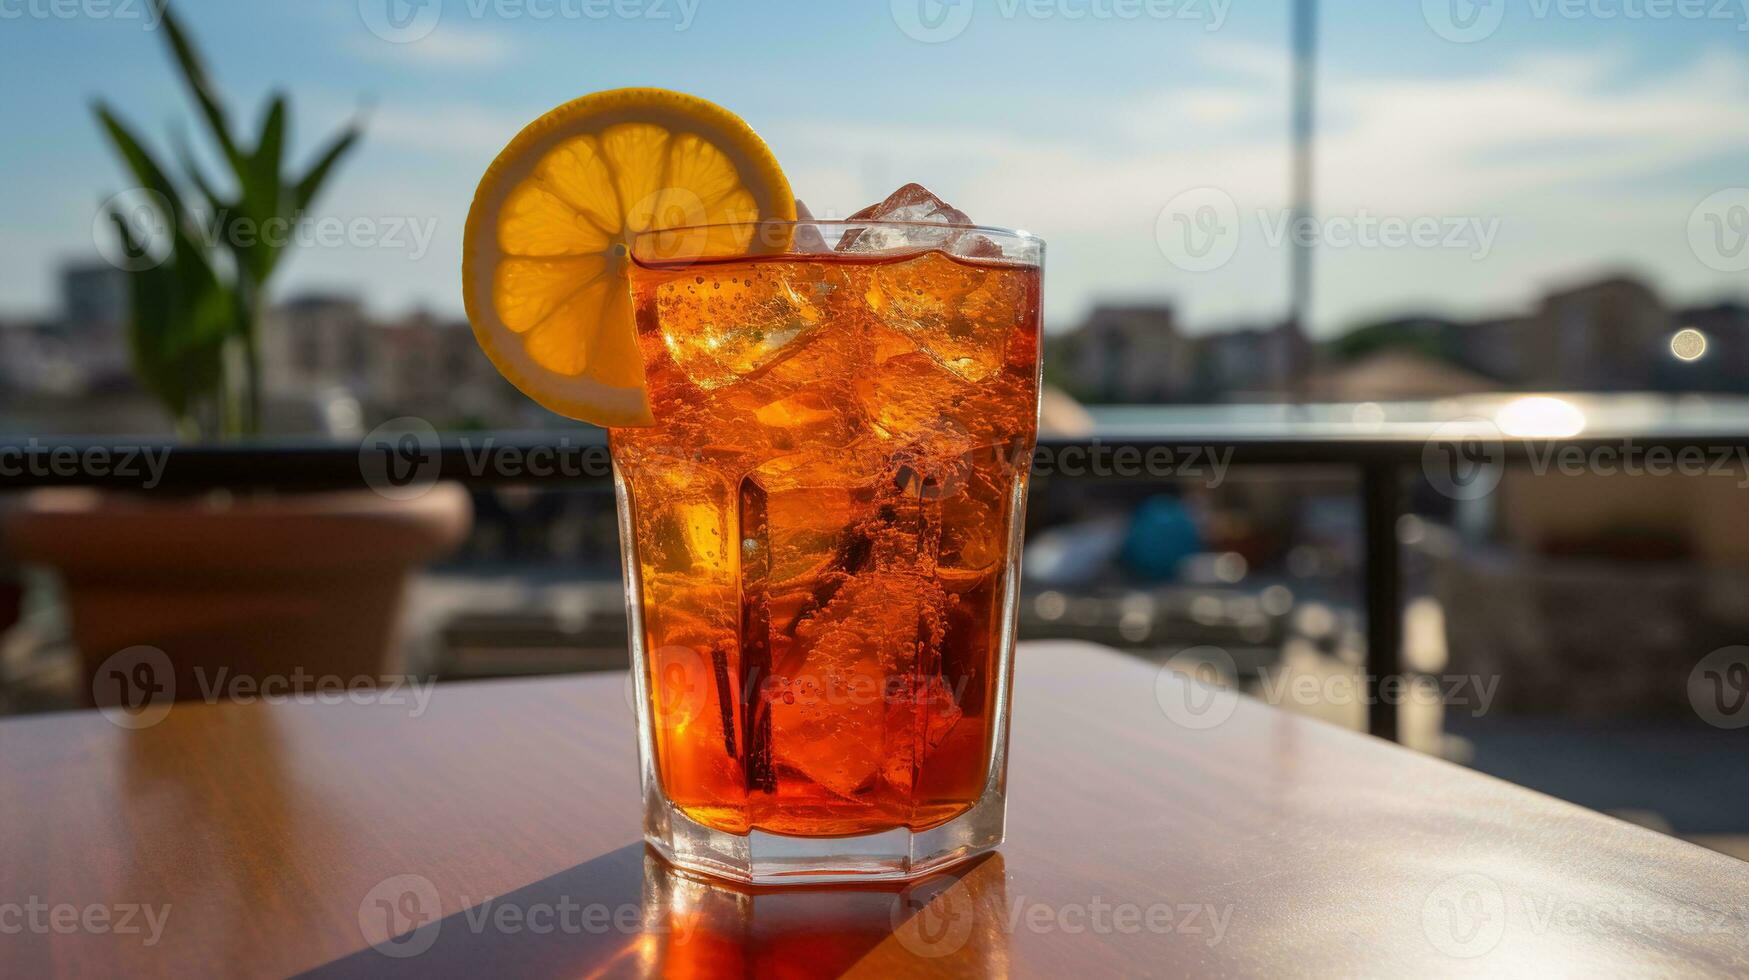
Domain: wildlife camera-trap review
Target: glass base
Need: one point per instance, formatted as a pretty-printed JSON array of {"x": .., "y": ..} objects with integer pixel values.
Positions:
[{"x": 761, "y": 858}]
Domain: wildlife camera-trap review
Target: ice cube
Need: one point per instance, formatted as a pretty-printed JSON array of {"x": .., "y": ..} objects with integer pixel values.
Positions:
[
  {"x": 914, "y": 203},
  {"x": 910, "y": 398},
  {"x": 808, "y": 240},
  {"x": 804, "y": 400},
  {"x": 924, "y": 707},
  {"x": 974, "y": 520},
  {"x": 961, "y": 315},
  {"x": 850, "y": 702},
  {"x": 720, "y": 325}
]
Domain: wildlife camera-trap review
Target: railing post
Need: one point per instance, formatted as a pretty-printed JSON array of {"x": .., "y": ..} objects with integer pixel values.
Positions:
[{"x": 1382, "y": 505}]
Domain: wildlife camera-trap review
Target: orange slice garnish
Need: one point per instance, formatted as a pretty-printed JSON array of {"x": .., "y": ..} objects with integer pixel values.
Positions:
[{"x": 551, "y": 227}]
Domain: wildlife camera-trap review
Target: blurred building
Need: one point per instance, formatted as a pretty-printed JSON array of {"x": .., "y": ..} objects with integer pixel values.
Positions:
[
  {"x": 91, "y": 337},
  {"x": 314, "y": 342},
  {"x": 433, "y": 368},
  {"x": 1136, "y": 354},
  {"x": 1131, "y": 353},
  {"x": 1612, "y": 334},
  {"x": 94, "y": 292},
  {"x": 1391, "y": 375},
  {"x": 1607, "y": 335},
  {"x": 1490, "y": 347},
  {"x": 1251, "y": 363},
  {"x": 320, "y": 348}
]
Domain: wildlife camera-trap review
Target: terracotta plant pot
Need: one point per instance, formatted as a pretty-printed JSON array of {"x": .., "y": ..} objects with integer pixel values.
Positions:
[{"x": 256, "y": 586}]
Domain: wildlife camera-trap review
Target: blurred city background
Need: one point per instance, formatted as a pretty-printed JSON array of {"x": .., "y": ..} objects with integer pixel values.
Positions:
[{"x": 1263, "y": 218}]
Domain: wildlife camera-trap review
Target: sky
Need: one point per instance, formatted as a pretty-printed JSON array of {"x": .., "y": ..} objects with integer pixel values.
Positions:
[{"x": 1472, "y": 155}]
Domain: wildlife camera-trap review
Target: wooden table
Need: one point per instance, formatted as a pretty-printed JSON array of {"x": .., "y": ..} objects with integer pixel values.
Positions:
[{"x": 498, "y": 831}]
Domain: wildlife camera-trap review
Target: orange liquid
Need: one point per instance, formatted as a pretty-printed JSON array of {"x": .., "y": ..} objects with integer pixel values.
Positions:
[{"x": 823, "y": 516}]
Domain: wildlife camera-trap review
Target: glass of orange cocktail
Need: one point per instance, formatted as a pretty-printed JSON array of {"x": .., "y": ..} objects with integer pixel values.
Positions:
[
  {"x": 821, "y": 433},
  {"x": 820, "y": 534}
]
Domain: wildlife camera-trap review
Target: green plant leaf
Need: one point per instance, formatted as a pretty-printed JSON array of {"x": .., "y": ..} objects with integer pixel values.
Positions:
[
  {"x": 311, "y": 183},
  {"x": 195, "y": 77},
  {"x": 182, "y": 315},
  {"x": 197, "y": 177},
  {"x": 190, "y": 310},
  {"x": 140, "y": 162},
  {"x": 263, "y": 196}
]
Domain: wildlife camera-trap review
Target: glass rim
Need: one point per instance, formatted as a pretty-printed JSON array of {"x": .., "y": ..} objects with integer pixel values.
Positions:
[{"x": 1015, "y": 233}]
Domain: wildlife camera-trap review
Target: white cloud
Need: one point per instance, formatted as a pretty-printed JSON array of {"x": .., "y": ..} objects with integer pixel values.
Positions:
[
  {"x": 443, "y": 48},
  {"x": 1580, "y": 157},
  {"x": 460, "y": 128}
]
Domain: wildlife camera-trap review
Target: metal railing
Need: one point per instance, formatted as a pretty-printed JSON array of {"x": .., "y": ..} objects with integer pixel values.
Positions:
[{"x": 1379, "y": 463}]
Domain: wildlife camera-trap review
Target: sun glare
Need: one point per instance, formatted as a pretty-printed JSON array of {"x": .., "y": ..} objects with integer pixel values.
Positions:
[{"x": 1540, "y": 415}]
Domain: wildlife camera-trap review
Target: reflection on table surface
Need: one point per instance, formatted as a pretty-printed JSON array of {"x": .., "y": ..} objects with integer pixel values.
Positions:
[{"x": 628, "y": 913}]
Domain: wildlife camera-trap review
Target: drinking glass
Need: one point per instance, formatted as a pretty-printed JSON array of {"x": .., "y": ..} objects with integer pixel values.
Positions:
[{"x": 821, "y": 540}]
